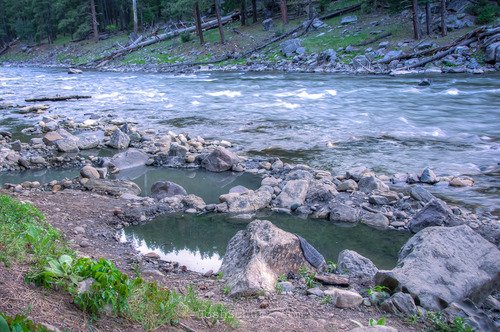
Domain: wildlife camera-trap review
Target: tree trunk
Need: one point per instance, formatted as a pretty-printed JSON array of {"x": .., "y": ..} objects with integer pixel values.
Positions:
[
  {"x": 243, "y": 12},
  {"x": 428, "y": 18},
  {"x": 197, "y": 18},
  {"x": 284, "y": 11},
  {"x": 416, "y": 25},
  {"x": 94, "y": 20},
  {"x": 221, "y": 29},
  {"x": 134, "y": 9},
  {"x": 310, "y": 10},
  {"x": 254, "y": 10},
  {"x": 444, "y": 31}
]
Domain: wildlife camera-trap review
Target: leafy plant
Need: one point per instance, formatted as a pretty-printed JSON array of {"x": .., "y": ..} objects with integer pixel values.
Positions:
[
  {"x": 226, "y": 290},
  {"x": 186, "y": 37},
  {"x": 485, "y": 10},
  {"x": 440, "y": 324},
  {"x": 303, "y": 271},
  {"x": 279, "y": 31},
  {"x": 374, "y": 322},
  {"x": 279, "y": 288},
  {"x": 327, "y": 299},
  {"x": 282, "y": 277},
  {"x": 219, "y": 276},
  {"x": 309, "y": 279},
  {"x": 19, "y": 323},
  {"x": 331, "y": 267},
  {"x": 378, "y": 294}
]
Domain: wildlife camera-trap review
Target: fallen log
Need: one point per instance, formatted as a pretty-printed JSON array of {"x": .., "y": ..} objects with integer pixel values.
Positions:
[
  {"x": 478, "y": 33},
  {"x": 8, "y": 45},
  {"x": 162, "y": 37},
  {"x": 341, "y": 12},
  {"x": 373, "y": 40},
  {"x": 56, "y": 98}
]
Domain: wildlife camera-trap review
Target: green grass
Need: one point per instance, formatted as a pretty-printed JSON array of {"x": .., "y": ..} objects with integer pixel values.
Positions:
[
  {"x": 62, "y": 40},
  {"x": 25, "y": 237}
]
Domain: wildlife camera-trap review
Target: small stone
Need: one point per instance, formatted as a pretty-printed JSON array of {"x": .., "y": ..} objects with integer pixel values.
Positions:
[
  {"x": 344, "y": 298},
  {"x": 208, "y": 274},
  {"x": 89, "y": 172},
  {"x": 190, "y": 158},
  {"x": 316, "y": 291},
  {"x": 462, "y": 181},
  {"x": 428, "y": 176},
  {"x": 152, "y": 255},
  {"x": 79, "y": 230},
  {"x": 85, "y": 243}
]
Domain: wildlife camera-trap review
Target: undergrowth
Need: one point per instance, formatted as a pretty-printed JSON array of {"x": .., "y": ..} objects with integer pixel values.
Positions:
[{"x": 96, "y": 286}]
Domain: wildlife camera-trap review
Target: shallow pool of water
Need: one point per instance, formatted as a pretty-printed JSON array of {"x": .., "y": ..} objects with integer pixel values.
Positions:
[{"x": 200, "y": 242}]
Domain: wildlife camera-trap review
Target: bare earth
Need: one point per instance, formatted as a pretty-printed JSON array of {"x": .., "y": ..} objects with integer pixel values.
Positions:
[{"x": 69, "y": 209}]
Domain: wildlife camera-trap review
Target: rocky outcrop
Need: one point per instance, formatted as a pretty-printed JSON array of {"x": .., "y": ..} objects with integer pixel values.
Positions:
[
  {"x": 220, "y": 160},
  {"x": 368, "y": 184},
  {"x": 256, "y": 256},
  {"x": 442, "y": 265}
]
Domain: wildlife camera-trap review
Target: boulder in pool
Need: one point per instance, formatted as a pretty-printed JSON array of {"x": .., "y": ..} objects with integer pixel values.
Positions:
[
  {"x": 220, "y": 160},
  {"x": 163, "y": 189},
  {"x": 129, "y": 159}
]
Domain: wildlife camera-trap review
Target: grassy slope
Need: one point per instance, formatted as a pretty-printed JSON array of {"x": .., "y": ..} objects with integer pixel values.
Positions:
[{"x": 238, "y": 39}]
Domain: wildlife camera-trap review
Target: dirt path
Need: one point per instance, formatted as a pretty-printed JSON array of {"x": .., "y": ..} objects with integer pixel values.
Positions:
[{"x": 69, "y": 211}]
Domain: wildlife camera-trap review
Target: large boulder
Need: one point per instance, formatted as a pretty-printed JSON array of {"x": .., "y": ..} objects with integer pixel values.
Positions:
[
  {"x": 434, "y": 213},
  {"x": 220, "y": 160},
  {"x": 340, "y": 212},
  {"x": 293, "y": 193},
  {"x": 349, "y": 19},
  {"x": 112, "y": 187},
  {"x": 249, "y": 201},
  {"x": 289, "y": 47},
  {"x": 162, "y": 189},
  {"x": 442, "y": 265},
  {"x": 129, "y": 159},
  {"x": 321, "y": 192},
  {"x": 356, "y": 266},
  {"x": 256, "y": 256}
]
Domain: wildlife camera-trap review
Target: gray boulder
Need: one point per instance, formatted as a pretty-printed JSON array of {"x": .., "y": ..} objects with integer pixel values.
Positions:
[
  {"x": 343, "y": 213},
  {"x": 349, "y": 19},
  {"x": 356, "y": 266},
  {"x": 391, "y": 55},
  {"x": 89, "y": 172},
  {"x": 371, "y": 183},
  {"x": 320, "y": 192},
  {"x": 88, "y": 142},
  {"x": 256, "y": 256},
  {"x": 348, "y": 185},
  {"x": 442, "y": 265},
  {"x": 119, "y": 140},
  {"x": 434, "y": 213},
  {"x": 129, "y": 159},
  {"x": 421, "y": 194},
  {"x": 162, "y": 189},
  {"x": 66, "y": 145},
  {"x": 327, "y": 56},
  {"x": 492, "y": 53},
  {"x": 293, "y": 193},
  {"x": 249, "y": 201},
  {"x": 267, "y": 24},
  {"x": 400, "y": 303},
  {"x": 220, "y": 160},
  {"x": 361, "y": 62},
  {"x": 428, "y": 176},
  {"x": 377, "y": 220},
  {"x": 289, "y": 47}
]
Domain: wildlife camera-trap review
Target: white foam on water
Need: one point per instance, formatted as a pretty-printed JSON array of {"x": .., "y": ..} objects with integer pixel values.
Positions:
[
  {"x": 67, "y": 87},
  {"x": 112, "y": 95},
  {"x": 332, "y": 92},
  {"x": 403, "y": 119},
  {"x": 284, "y": 94},
  {"x": 195, "y": 103},
  {"x": 452, "y": 92},
  {"x": 412, "y": 90},
  {"x": 225, "y": 93},
  {"x": 287, "y": 105},
  {"x": 169, "y": 106},
  {"x": 305, "y": 95},
  {"x": 10, "y": 78},
  {"x": 128, "y": 77}
]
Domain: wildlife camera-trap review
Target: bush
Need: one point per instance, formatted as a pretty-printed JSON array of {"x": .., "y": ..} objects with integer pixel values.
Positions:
[
  {"x": 20, "y": 323},
  {"x": 485, "y": 11},
  {"x": 186, "y": 37}
]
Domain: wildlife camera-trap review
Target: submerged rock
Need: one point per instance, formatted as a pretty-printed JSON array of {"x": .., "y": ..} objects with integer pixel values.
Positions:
[
  {"x": 441, "y": 265},
  {"x": 256, "y": 256},
  {"x": 162, "y": 189},
  {"x": 129, "y": 159}
]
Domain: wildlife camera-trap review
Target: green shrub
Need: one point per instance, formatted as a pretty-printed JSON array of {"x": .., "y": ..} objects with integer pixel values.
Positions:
[
  {"x": 186, "y": 37},
  {"x": 485, "y": 10},
  {"x": 440, "y": 324},
  {"x": 19, "y": 323}
]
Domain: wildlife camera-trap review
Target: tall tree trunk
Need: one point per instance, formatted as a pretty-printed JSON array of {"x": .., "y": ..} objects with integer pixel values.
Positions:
[
  {"x": 221, "y": 29},
  {"x": 310, "y": 10},
  {"x": 197, "y": 18},
  {"x": 416, "y": 25},
  {"x": 243, "y": 12},
  {"x": 134, "y": 9},
  {"x": 254, "y": 10},
  {"x": 444, "y": 30},
  {"x": 94, "y": 20},
  {"x": 284, "y": 11},
  {"x": 428, "y": 18}
]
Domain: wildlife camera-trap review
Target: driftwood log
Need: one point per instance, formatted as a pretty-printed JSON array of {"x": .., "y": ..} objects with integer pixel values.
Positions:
[
  {"x": 375, "y": 39},
  {"x": 57, "y": 98}
]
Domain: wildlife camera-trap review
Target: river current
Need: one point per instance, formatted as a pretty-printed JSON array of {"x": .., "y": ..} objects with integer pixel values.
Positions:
[{"x": 333, "y": 122}]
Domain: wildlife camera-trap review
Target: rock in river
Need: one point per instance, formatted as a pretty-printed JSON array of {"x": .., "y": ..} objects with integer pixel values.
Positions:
[
  {"x": 162, "y": 189},
  {"x": 112, "y": 187},
  {"x": 248, "y": 201},
  {"x": 129, "y": 159},
  {"x": 434, "y": 213},
  {"x": 220, "y": 160},
  {"x": 119, "y": 140},
  {"x": 256, "y": 256},
  {"x": 294, "y": 192},
  {"x": 441, "y": 265}
]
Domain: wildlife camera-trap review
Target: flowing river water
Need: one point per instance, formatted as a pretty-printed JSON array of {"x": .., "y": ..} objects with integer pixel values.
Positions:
[{"x": 332, "y": 122}]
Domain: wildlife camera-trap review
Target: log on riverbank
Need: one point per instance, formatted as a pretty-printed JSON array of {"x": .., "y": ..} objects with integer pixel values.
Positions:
[
  {"x": 159, "y": 38},
  {"x": 56, "y": 98}
]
